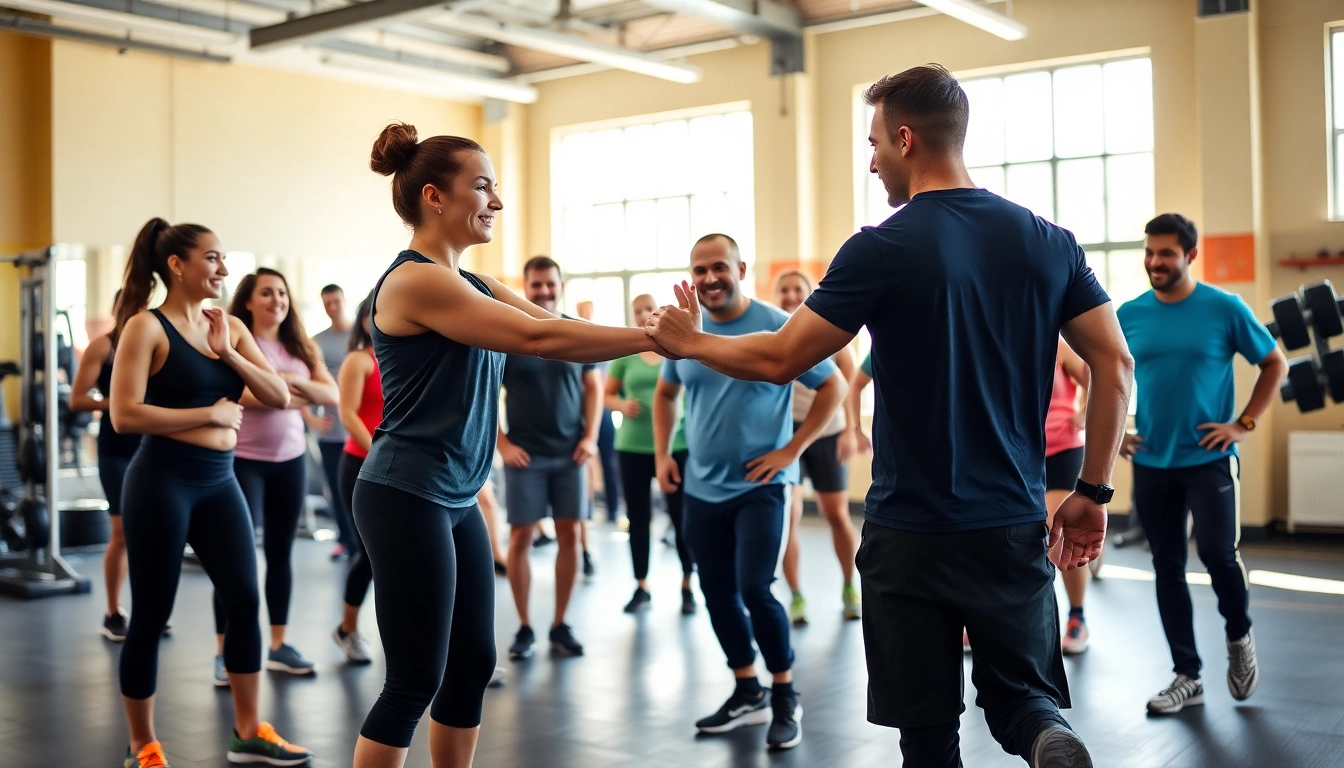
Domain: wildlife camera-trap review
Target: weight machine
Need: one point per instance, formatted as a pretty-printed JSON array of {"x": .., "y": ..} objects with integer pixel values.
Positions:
[{"x": 39, "y": 570}]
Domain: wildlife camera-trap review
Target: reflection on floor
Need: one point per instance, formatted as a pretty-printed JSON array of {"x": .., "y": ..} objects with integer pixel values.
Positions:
[{"x": 632, "y": 700}]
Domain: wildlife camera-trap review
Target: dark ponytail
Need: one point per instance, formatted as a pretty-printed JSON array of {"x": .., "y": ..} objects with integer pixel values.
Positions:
[{"x": 148, "y": 265}]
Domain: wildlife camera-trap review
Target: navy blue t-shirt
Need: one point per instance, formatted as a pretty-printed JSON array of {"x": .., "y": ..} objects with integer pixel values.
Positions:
[{"x": 964, "y": 294}]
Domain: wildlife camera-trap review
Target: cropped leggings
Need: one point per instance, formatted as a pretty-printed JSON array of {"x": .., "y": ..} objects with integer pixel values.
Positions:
[
  {"x": 637, "y": 475},
  {"x": 275, "y": 491},
  {"x": 177, "y": 494},
  {"x": 361, "y": 573},
  {"x": 435, "y": 578}
]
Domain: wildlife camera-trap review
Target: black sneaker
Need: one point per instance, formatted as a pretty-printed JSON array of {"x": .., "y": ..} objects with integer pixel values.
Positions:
[
  {"x": 522, "y": 644},
  {"x": 588, "y": 568},
  {"x": 1058, "y": 747},
  {"x": 562, "y": 640},
  {"x": 736, "y": 712},
  {"x": 640, "y": 600},
  {"x": 542, "y": 540},
  {"x": 114, "y": 626},
  {"x": 687, "y": 602},
  {"x": 786, "y": 729}
]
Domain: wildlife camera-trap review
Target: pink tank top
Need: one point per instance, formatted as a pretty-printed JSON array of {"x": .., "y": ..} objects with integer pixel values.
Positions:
[
  {"x": 1060, "y": 433},
  {"x": 268, "y": 434}
]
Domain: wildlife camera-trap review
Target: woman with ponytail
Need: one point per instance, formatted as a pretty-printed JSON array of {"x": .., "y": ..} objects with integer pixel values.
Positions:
[
  {"x": 440, "y": 334},
  {"x": 179, "y": 372},
  {"x": 271, "y": 457}
]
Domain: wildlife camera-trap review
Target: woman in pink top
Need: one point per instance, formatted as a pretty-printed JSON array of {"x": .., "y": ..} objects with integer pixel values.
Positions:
[
  {"x": 272, "y": 453},
  {"x": 1063, "y": 461}
]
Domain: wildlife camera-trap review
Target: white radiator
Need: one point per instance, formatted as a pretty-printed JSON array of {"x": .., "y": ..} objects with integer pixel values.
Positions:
[{"x": 1315, "y": 479}]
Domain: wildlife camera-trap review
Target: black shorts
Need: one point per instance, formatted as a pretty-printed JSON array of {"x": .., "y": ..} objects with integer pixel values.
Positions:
[
  {"x": 818, "y": 462},
  {"x": 1062, "y": 469}
]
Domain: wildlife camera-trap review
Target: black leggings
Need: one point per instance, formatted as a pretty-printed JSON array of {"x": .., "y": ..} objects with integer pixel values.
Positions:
[
  {"x": 275, "y": 491},
  {"x": 435, "y": 578},
  {"x": 637, "y": 471},
  {"x": 360, "y": 574},
  {"x": 178, "y": 494}
]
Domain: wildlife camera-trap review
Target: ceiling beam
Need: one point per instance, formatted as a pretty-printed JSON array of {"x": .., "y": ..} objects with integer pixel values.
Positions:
[
  {"x": 331, "y": 24},
  {"x": 140, "y": 16},
  {"x": 979, "y": 15},
  {"x": 766, "y": 18},
  {"x": 37, "y": 28},
  {"x": 570, "y": 46},
  {"x": 378, "y": 62}
]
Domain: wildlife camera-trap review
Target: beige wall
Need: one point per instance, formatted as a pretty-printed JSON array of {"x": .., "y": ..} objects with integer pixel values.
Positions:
[
  {"x": 276, "y": 163},
  {"x": 25, "y": 176}
]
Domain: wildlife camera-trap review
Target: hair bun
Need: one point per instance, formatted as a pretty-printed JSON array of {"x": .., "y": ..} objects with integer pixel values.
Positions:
[{"x": 394, "y": 149}]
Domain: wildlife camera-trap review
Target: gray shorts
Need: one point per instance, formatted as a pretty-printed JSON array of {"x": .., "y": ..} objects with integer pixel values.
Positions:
[{"x": 549, "y": 486}]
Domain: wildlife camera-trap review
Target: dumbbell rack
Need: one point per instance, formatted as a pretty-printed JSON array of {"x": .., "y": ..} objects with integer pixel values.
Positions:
[{"x": 44, "y": 572}]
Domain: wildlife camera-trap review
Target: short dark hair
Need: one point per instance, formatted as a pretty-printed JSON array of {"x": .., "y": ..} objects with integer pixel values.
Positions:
[
  {"x": 332, "y": 288},
  {"x": 1175, "y": 224},
  {"x": 929, "y": 100},
  {"x": 542, "y": 263},
  {"x": 732, "y": 244}
]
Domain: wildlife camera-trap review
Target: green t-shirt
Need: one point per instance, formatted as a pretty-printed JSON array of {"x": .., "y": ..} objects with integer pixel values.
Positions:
[{"x": 638, "y": 381}]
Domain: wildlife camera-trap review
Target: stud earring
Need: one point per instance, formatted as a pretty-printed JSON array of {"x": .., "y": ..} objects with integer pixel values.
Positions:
[{"x": 440, "y": 211}]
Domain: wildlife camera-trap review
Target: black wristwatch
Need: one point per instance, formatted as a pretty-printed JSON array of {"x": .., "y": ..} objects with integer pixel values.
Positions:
[{"x": 1101, "y": 494}]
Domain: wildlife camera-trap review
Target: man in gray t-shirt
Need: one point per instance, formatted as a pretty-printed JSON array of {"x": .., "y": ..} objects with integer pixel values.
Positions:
[
  {"x": 552, "y": 408},
  {"x": 325, "y": 422}
]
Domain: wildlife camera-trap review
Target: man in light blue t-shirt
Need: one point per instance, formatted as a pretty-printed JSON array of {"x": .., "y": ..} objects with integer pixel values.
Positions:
[
  {"x": 743, "y": 453},
  {"x": 1184, "y": 335}
]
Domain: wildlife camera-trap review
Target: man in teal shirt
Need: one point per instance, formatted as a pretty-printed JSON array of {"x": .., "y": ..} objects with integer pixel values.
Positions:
[
  {"x": 743, "y": 455},
  {"x": 1183, "y": 335}
]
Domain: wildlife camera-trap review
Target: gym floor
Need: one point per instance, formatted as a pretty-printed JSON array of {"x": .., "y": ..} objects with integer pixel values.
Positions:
[{"x": 632, "y": 699}]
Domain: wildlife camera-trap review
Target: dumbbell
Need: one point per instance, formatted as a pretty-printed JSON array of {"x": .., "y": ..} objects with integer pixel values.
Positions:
[
  {"x": 1314, "y": 306},
  {"x": 1308, "y": 383},
  {"x": 36, "y": 523}
]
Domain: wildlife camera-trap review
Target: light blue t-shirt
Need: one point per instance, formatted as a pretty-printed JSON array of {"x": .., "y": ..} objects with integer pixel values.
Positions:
[
  {"x": 730, "y": 422},
  {"x": 1183, "y": 369}
]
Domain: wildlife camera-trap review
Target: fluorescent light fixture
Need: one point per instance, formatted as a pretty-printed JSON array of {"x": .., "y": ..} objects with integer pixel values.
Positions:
[
  {"x": 491, "y": 88},
  {"x": 978, "y": 15},
  {"x": 37, "y": 28},
  {"x": 571, "y": 47},
  {"x": 124, "y": 21}
]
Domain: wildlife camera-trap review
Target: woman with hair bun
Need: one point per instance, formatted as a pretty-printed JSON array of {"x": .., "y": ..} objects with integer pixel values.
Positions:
[
  {"x": 178, "y": 374},
  {"x": 440, "y": 334}
]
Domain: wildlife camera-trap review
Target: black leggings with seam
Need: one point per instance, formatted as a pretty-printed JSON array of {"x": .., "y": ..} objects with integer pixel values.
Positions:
[
  {"x": 637, "y": 473},
  {"x": 275, "y": 492},
  {"x": 434, "y": 575},
  {"x": 359, "y": 575},
  {"x": 177, "y": 494}
]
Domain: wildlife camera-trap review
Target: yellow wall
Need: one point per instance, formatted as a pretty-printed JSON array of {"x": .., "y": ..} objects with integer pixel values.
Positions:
[
  {"x": 25, "y": 176},
  {"x": 276, "y": 163}
]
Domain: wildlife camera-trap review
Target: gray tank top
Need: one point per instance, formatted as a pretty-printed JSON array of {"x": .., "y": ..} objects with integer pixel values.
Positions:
[{"x": 440, "y": 411}]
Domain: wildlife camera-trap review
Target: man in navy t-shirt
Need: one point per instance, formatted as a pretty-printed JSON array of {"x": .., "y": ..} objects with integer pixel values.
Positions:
[
  {"x": 965, "y": 295},
  {"x": 1184, "y": 335}
]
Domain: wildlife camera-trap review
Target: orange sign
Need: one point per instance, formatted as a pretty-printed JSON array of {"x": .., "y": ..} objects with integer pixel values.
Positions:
[{"x": 1229, "y": 258}]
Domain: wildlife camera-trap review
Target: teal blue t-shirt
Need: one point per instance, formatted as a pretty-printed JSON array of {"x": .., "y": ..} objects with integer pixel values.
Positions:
[
  {"x": 1183, "y": 369},
  {"x": 730, "y": 422},
  {"x": 867, "y": 365}
]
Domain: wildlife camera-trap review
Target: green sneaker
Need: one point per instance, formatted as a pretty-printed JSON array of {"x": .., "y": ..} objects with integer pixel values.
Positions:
[
  {"x": 150, "y": 757},
  {"x": 853, "y": 603},
  {"x": 798, "y": 610},
  {"x": 266, "y": 747}
]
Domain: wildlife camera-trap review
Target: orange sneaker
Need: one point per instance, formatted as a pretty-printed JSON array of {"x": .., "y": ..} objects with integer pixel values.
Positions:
[
  {"x": 150, "y": 757},
  {"x": 1075, "y": 636}
]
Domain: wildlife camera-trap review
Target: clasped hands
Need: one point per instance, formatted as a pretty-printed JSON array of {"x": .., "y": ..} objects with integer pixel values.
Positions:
[{"x": 675, "y": 327}]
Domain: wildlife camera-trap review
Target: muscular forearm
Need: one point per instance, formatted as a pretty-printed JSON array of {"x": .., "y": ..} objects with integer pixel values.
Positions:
[
  {"x": 141, "y": 419},
  {"x": 318, "y": 393},
  {"x": 750, "y": 357},
  {"x": 1266, "y": 387},
  {"x": 268, "y": 388},
  {"x": 1107, "y": 411},
  {"x": 580, "y": 342},
  {"x": 829, "y": 397}
]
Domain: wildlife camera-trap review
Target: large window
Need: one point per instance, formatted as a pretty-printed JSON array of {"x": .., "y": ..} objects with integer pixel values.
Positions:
[
  {"x": 630, "y": 201},
  {"x": 1337, "y": 122},
  {"x": 1075, "y": 145}
]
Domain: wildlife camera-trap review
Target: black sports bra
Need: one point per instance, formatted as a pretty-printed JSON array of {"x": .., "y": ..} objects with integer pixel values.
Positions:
[{"x": 189, "y": 379}]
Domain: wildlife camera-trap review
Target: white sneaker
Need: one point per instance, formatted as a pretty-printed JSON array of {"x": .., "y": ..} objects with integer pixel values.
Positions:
[
  {"x": 1243, "y": 674},
  {"x": 1183, "y": 692},
  {"x": 353, "y": 645}
]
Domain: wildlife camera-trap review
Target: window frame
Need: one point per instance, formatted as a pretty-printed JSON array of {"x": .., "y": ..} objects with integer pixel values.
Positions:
[
  {"x": 557, "y": 207},
  {"x": 1334, "y": 133}
]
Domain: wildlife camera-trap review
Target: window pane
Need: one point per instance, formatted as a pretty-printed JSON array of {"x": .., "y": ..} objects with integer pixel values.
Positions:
[
  {"x": 606, "y": 293},
  {"x": 708, "y": 215},
  {"x": 239, "y": 264},
  {"x": 1339, "y": 174},
  {"x": 738, "y": 222},
  {"x": 1078, "y": 116},
  {"x": 877, "y": 211},
  {"x": 1129, "y": 196},
  {"x": 1125, "y": 276},
  {"x": 1027, "y": 124},
  {"x": 984, "y": 131},
  {"x": 604, "y": 161},
  {"x": 1097, "y": 261},
  {"x": 578, "y": 239},
  {"x": 990, "y": 178},
  {"x": 641, "y": 150},
  {"x": 658, "y": 285},
  {"x": 1082, "y": 199},
  {"x": 1129, "y": 105},
  {"x": 670, "y": 169},
  {"x": 674, "y": 232},
  {"x": 641, "y": 235},
  {"x": 1337, "y": 79},
  {"x": 608, "y": 237},
  {"x": 1031, "y": 185}
]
